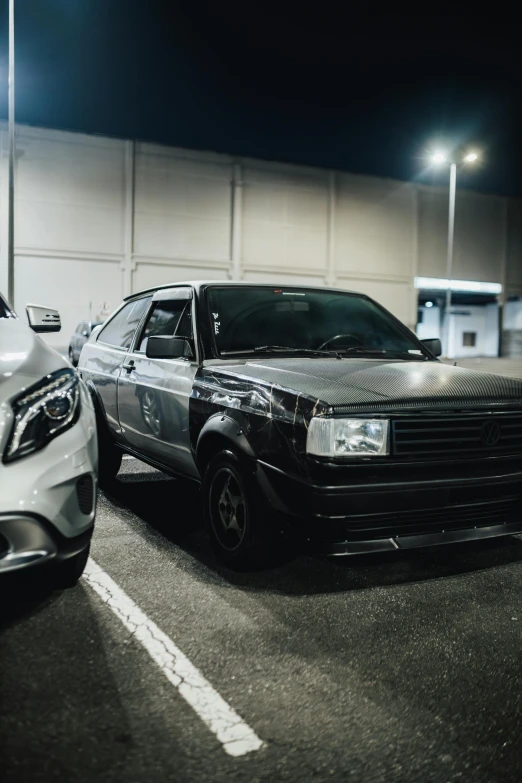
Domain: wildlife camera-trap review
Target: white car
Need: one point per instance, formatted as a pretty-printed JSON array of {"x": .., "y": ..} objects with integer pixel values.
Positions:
[{"x": 49, "y": 452}]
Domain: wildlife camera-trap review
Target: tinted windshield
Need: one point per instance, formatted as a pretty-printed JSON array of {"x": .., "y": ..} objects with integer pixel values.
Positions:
[
  {"x": 245, "y": 318},
  {"x": 4, "y": 310}
]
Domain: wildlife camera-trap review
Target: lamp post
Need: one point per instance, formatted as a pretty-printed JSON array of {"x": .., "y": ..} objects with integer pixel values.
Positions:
[
  {"x": 10, "y": 175},
  {"x": 441, "y": 158}
]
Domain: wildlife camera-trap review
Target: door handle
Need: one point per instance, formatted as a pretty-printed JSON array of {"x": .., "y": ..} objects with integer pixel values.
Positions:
[{"x": 129, "y": 366}]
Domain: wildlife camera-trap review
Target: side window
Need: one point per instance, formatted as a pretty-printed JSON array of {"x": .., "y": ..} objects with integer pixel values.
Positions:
[
  {"x": 164, "y": 318},
  {"x": 120, "y": 329},
  {"x": 185, "y": 323},
  {"x": 79, "y": 329}
]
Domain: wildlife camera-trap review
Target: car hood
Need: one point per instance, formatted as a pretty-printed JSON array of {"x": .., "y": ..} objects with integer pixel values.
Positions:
[
  {"x": 24, "y": 358},
  {"x": 356, "y": 384}
]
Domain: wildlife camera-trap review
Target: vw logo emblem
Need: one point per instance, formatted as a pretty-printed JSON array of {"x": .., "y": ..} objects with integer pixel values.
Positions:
[{"x": 490, "y": 433}]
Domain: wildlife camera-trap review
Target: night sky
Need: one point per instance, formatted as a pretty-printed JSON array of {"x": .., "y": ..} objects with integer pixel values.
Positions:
[{"x": 335, "y": 85}]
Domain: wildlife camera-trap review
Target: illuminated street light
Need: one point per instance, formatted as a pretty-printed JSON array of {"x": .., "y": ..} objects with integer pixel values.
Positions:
[
  {"x": 11, "y": 157},
  {"x": 439, "y": 157}
]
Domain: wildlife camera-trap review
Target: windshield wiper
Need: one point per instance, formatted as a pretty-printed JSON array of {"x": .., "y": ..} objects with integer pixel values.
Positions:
[
  {"x": 383, "y": 352},
  {"x": 288, "y": 348}
]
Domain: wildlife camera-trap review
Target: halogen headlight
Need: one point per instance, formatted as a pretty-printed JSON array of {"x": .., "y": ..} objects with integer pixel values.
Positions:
[
  {"x": 42, "y": 412},
  {"x": 347, "y": 437}
]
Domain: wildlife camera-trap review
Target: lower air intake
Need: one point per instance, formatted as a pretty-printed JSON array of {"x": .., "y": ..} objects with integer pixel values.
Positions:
[{"x": 85, "y": 493}]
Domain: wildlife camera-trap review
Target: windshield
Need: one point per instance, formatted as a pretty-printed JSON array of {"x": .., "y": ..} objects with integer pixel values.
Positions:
[
  {"x": 4, "y": 309},
  {"x": 247, "y": 319}
]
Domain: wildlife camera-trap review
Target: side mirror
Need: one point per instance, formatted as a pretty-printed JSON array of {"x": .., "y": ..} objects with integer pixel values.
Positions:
[
  {"x": 43, "y": 319},
  {"x": 168, "y": 348},
  {"x": 434, "y": 345}
]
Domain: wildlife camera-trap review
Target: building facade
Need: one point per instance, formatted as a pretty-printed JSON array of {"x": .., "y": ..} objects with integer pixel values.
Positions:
[{"x": 99, "y": 218}]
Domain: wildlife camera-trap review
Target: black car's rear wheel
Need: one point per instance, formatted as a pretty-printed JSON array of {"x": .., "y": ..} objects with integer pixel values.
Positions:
[
  {"x": 109, "y": 455},
  {"x": 238, "y": 522}
]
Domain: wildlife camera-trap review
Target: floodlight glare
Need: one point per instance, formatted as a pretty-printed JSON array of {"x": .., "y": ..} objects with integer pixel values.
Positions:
[
  {"x": 471, "y": 157},
  {"x": 438, "y": 157}
]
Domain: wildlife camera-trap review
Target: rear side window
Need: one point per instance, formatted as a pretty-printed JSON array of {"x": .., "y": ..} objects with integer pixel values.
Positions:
[
  {"x": 120, "y": 329},
  {"x": 164, "y": 319}
]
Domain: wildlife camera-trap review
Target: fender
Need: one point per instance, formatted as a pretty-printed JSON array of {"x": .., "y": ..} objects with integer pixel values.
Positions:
[
  {"x": 96, "y": 399},
  {"x": 232, "y": 427},
  {"x": 99, "y": 408}
]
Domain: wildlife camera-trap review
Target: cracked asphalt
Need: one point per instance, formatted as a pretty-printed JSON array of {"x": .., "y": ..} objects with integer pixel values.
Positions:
[{"x": 404, "y": 667}]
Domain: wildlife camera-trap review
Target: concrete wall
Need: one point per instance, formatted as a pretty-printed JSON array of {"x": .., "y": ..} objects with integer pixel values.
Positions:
[
  {"x": 479, "y": 320},
  {"x": 99, "y": 218}
]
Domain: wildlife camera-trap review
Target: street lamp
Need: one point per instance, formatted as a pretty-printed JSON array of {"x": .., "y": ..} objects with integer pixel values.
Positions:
[
  {"x": 10, "y": 172},
  {"x": 439, "y": 157}
]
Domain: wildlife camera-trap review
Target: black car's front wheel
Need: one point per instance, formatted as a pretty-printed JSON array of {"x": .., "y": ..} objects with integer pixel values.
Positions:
[{"x": 237, "y": 520}]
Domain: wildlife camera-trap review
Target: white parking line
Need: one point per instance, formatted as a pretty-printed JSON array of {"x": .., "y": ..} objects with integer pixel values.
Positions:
[{"x": 235, "y": 735}]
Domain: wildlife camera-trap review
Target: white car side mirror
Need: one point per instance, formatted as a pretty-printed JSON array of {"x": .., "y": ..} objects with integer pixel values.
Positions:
[{"x": 43, "y": 319}]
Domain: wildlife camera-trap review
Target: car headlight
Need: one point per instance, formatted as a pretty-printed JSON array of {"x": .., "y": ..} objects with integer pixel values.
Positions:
[
  {"x": 42, "y": 412},
  {"x": 348, "y": 437}
]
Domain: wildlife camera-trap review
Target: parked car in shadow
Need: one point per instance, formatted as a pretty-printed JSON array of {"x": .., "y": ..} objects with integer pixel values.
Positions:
[
  {"x": 81, "y": 334},
  {"x": 307, "y": 415}
]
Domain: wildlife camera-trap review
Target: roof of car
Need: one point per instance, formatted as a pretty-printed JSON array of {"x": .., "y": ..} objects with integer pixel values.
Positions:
[{"x": 198, "y": 284}]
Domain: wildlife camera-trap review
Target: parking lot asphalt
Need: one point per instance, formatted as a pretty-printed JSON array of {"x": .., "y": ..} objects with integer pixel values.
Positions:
[{"x": 405, "y": 667}]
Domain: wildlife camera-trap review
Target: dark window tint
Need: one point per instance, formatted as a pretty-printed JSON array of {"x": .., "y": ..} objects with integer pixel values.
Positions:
[
  {"x": 4, "y": 312},
  {"x": 185, "y": 322},
  {"x": 244, "y": 318},
  {"x": 163, "y": 320},
  {"x": 120, "y": 329}
]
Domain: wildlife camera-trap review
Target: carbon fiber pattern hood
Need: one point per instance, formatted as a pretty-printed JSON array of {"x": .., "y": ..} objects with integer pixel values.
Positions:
[{"x": 366, "y": 384}]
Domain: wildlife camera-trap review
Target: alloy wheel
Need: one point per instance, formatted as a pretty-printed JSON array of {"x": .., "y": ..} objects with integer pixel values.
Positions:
[{"x": 228, "y": 512}]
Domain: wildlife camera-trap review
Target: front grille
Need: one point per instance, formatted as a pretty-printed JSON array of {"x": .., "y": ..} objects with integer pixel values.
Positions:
[
  {"x": 85, "y": 493},
  {"x": 474, "y": 435},
  {"x": 502, "y": 511}
]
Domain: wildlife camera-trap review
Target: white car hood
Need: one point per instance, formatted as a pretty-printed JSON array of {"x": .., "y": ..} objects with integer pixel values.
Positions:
[{"x": 24, "y": 360}]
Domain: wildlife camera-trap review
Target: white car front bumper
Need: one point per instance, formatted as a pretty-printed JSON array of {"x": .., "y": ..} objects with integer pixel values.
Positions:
[{"x": 48, "y": 499}]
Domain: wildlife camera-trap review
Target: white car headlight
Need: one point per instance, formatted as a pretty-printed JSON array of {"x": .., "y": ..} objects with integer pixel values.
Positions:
[
  {"x": 348, "y": 437},
  {"x": 42, "y": 412}
]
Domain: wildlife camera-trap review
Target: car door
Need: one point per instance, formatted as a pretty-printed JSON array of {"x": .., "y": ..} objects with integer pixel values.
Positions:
[
  {"x": 153, "y": 394},
  {"x": 103, "y": 358}
]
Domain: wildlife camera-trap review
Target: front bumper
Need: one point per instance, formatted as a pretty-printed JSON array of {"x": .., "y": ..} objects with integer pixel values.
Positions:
[
  {"x": 388, "y": 515},
  {"x": 27, "y": 541},
  {"x": 48, "y": 498}
]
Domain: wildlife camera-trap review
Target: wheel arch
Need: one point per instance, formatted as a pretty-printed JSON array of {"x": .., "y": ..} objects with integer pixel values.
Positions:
[{"x": 220, "y": 432}]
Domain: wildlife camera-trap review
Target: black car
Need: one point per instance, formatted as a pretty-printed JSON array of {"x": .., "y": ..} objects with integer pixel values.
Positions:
[
  {"x": 308, "y": 412},
  {"x": 81, "y": 334}
]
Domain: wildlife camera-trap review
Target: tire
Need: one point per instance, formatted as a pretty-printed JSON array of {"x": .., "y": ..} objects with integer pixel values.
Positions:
[
  {"x": 67, "y": 573},
  {"x": 71, "y": 358},
  {"x": 109, "y": 455},
  {"x": 237, "y": 519}
]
